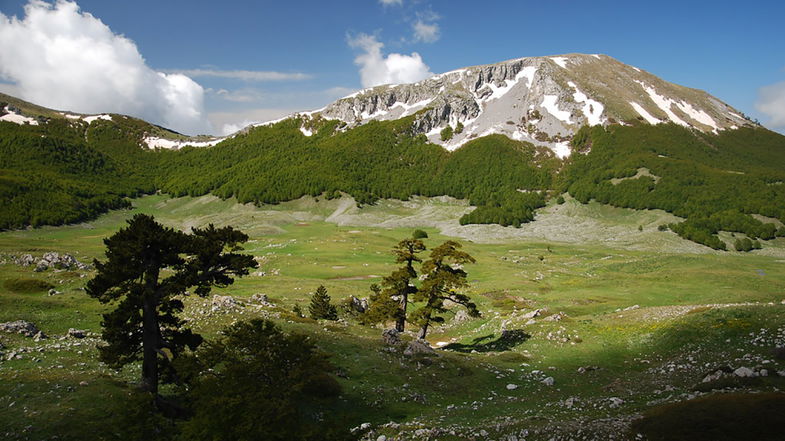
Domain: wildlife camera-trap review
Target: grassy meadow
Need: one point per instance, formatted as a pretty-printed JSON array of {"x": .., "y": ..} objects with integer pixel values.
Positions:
[{"x": 623, "y": 328}]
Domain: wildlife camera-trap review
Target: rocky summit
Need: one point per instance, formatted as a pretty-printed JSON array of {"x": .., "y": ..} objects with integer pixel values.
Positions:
[{"x": 542, "y": 100}]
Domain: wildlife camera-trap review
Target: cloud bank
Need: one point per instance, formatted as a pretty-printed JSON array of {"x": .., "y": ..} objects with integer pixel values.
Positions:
[
  {"x": 60, "y": 57},
  {"x": 771, "y": 102},
  {"x": 377, "y": 69}
]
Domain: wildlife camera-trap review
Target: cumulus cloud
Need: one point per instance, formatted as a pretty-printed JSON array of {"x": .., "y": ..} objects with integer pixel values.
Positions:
[
  {"x": 377, "y": 69},
  {"x": 391, "y": 2},
  {"x": 771, "y": 102},
  {"x": 245, "y": 75},
  {"x": 61, "y": 57}
]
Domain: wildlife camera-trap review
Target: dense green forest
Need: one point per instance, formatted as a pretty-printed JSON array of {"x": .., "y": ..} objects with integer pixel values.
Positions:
[
  {"x": 373, "y": 161},
  {"x": 66, "y": 171},
  {"x": 716, "y": 182}
]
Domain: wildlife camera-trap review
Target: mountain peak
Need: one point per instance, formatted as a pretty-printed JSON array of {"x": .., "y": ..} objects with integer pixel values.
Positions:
[{"x": 543, "y": 100}]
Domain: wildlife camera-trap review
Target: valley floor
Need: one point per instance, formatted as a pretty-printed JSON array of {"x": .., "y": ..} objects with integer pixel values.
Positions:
[{"x": 612, "y": 319}]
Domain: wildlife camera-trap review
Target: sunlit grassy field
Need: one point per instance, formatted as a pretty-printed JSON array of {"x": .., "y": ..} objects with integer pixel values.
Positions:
[{"x": 621, "y": 329}]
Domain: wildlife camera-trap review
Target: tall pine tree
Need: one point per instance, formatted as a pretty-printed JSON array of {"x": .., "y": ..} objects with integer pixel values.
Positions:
[
  {"x": 444, "y": 275},
  {"x": 148, "y": 268}
]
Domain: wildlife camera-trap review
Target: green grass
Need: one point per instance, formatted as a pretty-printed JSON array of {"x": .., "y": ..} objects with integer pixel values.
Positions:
[{"x": 676, "y": 322}]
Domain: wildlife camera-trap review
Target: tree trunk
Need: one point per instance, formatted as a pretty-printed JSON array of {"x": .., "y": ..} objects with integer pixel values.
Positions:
[
  {"x": 150, "y": 333},
  {"x": 401, "y": 322},
  {"x": 423, "y": 330}
]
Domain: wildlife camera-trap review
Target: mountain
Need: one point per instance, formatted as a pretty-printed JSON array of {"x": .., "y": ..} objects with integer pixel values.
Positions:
[
  {"x": 542, "y": 100},
  {"x": 530, "y": 131}
]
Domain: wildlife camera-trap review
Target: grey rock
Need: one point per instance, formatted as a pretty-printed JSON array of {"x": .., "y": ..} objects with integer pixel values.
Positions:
[
  {"x": 615, "y": 402},
  {"x": 21, "y": 327},
  {"x": 261, "y": 299},
  {"x": 222, "y": 303},
  {"x": 76, "y": 333},
  {"x": 391, "y": 337},
  {"x": 744, "y": 372},
  {"x": 418, "y": 346},
  {"x": 532, "y": 314},
  {"x": 512, "y": 386},
  {"x": 359, "y": 305},
  {"x": 548, "y": 381},
  {"x": 53, "y": 292}
]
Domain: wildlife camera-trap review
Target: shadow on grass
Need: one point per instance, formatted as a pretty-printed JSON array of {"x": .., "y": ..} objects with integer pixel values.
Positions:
[{"x": 505, "y": 342}]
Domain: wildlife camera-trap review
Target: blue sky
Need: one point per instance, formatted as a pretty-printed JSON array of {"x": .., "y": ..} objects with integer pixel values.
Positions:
[{"x": 256, "y": 60}]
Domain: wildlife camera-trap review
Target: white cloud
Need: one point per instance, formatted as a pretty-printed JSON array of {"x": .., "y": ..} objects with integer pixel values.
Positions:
[
  {"x": 246, "y": 75},
  {"x": 391, "y": 2},
  {"x": 58, "y": 56},
  {"x": 376, "y": 69},
  {"x": 771, "y": 102},
  {"x": 230, "y": 122},
  {"x": 425, "y": 32}
]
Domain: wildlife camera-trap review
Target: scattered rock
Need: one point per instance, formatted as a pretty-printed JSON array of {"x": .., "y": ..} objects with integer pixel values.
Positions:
[
  {"x": 22, "y": 327},
  {"x": 461, "y": 316},
  {"x": 381, "y": 438},
  {"x": 53, "y": 260},
  {"x": 224, "y": 303},
  {"x": 418, "y": 346},
  {"x": 76, "y": 333},
  {"x": 584, "y": 369},
  {"x": 615, "y": 402},
  {"x": 744, "y": 372},
  {"x": 262, "y": 299},
  {"x": 391, "y": 337},
  {"x": 555, "y": 317},
  {"x": 54, "y": 292},
  {"x": 83, "y": 383},
  {"x": 532, "y": 314},
  {"x": 512, "y": 386},
  {"x": 548, "y": 381},
  {"x": 714, "y": 376}
]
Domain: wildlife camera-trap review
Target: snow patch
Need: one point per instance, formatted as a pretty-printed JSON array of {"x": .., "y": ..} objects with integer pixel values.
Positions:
[
  {"x": 69, "y": 116},
  {"x": 408, "y": 107},
  {"x": 154, "y": 142},
  {"x": 561, "y": 61},
  {"x": 592, "y": 109},
  {"x": 90, "y": 119},
  {"x": 597, "y": 56},
  {"x": 306, "y": 132},
  {"x": 664, "y": 103},
  {"x": 646, "y": 115},
  {"x": 17, "y": 118},
  {"x": 549, "y": 103},
  {"x": 697, "y": 114},
  {"x": 737, "y": 116},
  {"x": 527, "y": 72},
  {"x": 562, "y": 149},
  {"x": 635, "y": 68}
]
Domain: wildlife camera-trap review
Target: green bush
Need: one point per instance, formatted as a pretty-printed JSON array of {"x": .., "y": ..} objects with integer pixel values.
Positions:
[{"x": 419, "y": 234}]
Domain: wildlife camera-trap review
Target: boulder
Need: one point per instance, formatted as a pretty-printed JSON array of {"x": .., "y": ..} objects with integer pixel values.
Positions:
[
  {"x": 532, "y": 314},
  {"x": 359, "y": 305},
  {"x": 461, "y": 316},
  {"x": 512, "y": 386},
  {"x": 224, "y": 303},
  {"x": 744, "y": 372},
  {"x": 76, "y": 333},
  {"x": 419, "y": 346},
  {"x": 615, "y": 402},
  {"x": 53, "y": 292},
  {"x": 391, "y": 337},
  {"x": 22, "y": 327},
  {"x": 548, "y": 381}
]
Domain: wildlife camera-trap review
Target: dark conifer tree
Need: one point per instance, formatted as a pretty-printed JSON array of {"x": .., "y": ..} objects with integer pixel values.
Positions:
[
  {"x": 320, "y": 307},
  {"x": 444, "y": 274},
  {"x": 148, "y": 268}
]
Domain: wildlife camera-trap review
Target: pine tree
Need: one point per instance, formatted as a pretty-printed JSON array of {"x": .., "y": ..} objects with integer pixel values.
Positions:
[
  {"x": 443, "y": 275},
  {"x": 148, "y": 267},
  {"x": 398, "y": 286},
  {"x": 320, "y": 307}
]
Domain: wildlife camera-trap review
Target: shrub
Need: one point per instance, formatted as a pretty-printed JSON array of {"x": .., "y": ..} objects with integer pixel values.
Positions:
[
  {"x": 446, "y": 133},
  {"x": 419, "y": 234}
]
